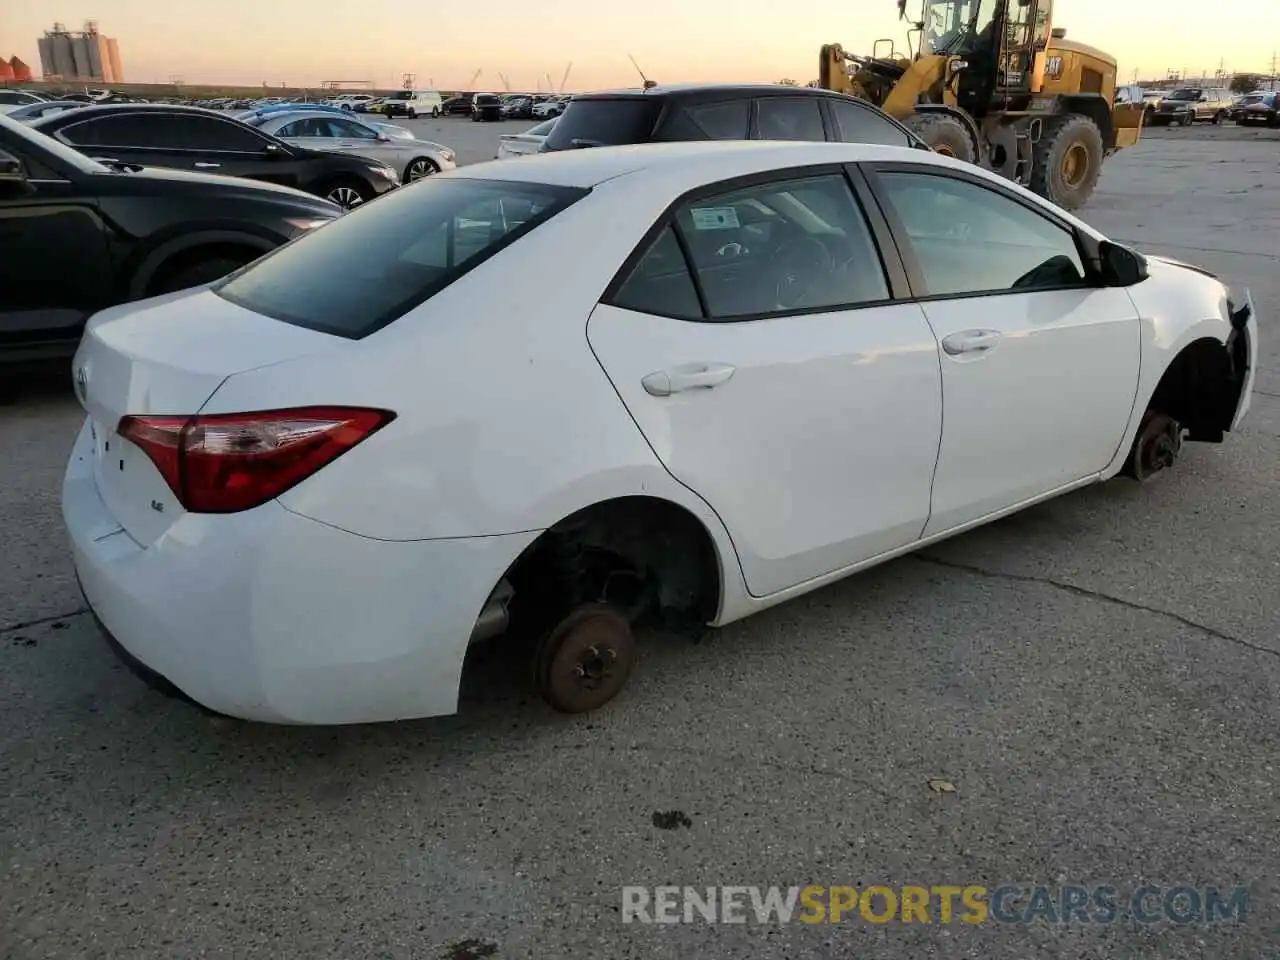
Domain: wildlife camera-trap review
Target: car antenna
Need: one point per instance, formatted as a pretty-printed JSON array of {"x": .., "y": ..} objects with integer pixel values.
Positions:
[{"x": 648, "y": 84}]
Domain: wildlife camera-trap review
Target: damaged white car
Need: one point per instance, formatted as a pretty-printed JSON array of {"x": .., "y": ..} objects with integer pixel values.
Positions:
[{"x": 301, "y": 493}]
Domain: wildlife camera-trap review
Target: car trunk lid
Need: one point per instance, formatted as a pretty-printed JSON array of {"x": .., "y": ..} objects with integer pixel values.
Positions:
[{"x": 166, "y": 357}]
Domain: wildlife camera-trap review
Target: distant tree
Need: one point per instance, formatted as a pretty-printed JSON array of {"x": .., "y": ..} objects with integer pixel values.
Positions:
[
  {"x": 788, "y": 83},
  {"x": 1245, "y": 83}
]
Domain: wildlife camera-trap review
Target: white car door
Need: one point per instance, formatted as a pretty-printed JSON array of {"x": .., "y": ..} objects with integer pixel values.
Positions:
[
  {"x": 756, "y": 342},
  {"x": 1039, "y": 363}
]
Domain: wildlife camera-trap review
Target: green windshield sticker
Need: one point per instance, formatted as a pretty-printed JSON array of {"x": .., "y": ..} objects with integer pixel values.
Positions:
[{"x": 714, "y": 218}]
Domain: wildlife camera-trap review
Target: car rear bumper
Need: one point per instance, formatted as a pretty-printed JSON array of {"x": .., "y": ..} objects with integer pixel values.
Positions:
[{"x": 267, "y": 615}]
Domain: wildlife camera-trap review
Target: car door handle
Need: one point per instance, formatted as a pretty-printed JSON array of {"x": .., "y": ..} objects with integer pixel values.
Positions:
[
  {"x": 201, "y": 165},
  {"x": 970, "y": 341},
  {"x": 690, "y": 376}
]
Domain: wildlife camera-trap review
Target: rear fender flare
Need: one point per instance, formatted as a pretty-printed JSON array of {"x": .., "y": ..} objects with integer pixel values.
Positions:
[{"x": 146, "y": 270}]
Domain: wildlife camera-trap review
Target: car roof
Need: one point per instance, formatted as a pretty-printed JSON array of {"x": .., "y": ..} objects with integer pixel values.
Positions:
[
  {"x": 703, "y": 160},
  {"x": 693, "y": 90}
]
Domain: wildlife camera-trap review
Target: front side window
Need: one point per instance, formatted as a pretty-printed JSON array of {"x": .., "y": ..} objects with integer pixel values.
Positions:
[
  {"x": 779, "y": 247},
  {"x": 969, "y": 239},
  {"x": 211, "y": 133},
  {"x": 859, "y": 124},
  {"x": 368, "y": 268}
]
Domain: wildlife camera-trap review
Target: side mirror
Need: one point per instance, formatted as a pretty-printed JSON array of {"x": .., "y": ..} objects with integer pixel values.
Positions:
[
  {"x": 902, "y": 9},
  {"x": 384, "y": 137},
  {"x": 1121, "y": 266},
  {"x": 275, "y": 151}
]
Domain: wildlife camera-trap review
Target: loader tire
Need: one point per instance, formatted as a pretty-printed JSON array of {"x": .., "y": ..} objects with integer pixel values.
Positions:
[
  {"x": 1068, "y": 161},
  {"x": 944, "y": 134}
]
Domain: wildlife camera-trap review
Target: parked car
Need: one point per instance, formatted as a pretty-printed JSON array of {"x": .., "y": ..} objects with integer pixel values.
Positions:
[
  {"x": 80, "y": 236},
  {"x": 720, "y": 112},
  {"x": 486, "y": 106},
  {"x": 191, "y": 138},
  {"x": 409, "y": 103},
  {"x": 1185, "y": 105},
  {"x": 44, "y": 108},
  {"x": 1262, "y": 107},
  {"x": 456, "y": 105},
  {"x": 545, "y": 109},
  {"x": 10, "y": 100},
  {"x": 517, "y": 108},
  {"x": 783, "y": 312},
  {"x": 350, "y": 101},
  {"x": 317, "y": 130},
  {"x": 522, "y": 144}
]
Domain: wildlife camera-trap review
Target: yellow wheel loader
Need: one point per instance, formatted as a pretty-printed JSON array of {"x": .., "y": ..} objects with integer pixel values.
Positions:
[{"x": 994, "y": 83}]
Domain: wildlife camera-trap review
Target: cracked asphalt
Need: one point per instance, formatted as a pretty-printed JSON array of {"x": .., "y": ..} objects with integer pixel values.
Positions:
[{"x": 1097, "y": 678}]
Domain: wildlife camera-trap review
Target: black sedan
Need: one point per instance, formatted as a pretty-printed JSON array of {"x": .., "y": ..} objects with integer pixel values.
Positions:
[
  {"x": 190, "y": 138},
  {"x": 456, "y": 105},
  {"x": 79, "y": 236}
]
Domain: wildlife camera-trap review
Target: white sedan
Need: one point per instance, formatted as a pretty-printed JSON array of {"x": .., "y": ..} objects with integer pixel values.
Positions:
[
  {"x": 301, "y": 493},
  {"x": 327, "y": 130},
  {"x": 522, "y": 144}
]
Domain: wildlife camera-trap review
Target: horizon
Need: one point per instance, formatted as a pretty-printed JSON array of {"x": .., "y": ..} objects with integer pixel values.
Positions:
[{"x": 720, "y": 40}]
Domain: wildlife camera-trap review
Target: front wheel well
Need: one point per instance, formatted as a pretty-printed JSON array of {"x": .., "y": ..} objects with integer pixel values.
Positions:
[
  {"x": 1199, "y": 390},
  {"x": 647, "y": 557},
  {"x": 190, "y": 257}
]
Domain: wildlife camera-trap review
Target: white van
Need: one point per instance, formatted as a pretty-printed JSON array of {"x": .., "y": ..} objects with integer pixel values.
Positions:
[{"x": 412, "y": 103}]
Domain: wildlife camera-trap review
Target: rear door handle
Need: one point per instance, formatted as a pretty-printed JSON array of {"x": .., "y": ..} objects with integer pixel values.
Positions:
[
  {"x": 201, "y": 165},
  {"x": 690, "y": 376},
  {"x": 969, "y": 342}
]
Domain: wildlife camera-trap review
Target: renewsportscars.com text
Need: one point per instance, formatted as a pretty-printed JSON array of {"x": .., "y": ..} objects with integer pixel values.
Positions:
[{"x": 943, "y": 904}]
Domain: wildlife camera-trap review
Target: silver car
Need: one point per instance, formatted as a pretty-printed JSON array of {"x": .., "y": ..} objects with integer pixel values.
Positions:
[{"x": 329, "y": 130}]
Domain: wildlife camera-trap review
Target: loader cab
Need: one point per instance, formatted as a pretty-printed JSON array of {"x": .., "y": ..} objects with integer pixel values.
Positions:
[{"x": 992, "y": 46}]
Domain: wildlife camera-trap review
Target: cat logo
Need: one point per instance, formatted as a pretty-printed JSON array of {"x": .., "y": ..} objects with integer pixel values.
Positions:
[{"x": 1053, "y": 67}]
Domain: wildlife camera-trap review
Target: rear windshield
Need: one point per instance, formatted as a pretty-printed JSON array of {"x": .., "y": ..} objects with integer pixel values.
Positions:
[
  {"x": 604, "y": 123},
  {"x": 366, "y": 269}
]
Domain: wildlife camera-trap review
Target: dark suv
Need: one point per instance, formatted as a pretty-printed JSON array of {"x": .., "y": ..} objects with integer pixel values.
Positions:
[
  {"x": 79, "y": 236},
  {"x": 486, "y": 106},
  {"x": 190, "y": 138},
  {"x": 714, "y": 112}
]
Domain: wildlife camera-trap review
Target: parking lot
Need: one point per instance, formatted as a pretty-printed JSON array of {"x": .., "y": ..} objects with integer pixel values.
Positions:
[{"x": 1098, "y": 678}]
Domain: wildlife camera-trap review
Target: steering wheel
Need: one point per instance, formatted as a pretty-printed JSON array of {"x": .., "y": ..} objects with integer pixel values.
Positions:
[{"x": 799, "y": 265}]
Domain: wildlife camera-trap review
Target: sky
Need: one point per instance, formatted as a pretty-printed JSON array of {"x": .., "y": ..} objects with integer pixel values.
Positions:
[{"x": 305, "y": 42}]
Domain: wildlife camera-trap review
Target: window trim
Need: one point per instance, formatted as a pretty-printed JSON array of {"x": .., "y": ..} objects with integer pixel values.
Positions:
[
  {"x": 882, "y": 242},
  {"x": 910, "y": 140},
  {"x": 906, "y": 250}
]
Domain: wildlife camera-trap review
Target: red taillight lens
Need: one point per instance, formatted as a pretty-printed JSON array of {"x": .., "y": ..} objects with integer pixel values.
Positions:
[{"x": 234, "y": 461}]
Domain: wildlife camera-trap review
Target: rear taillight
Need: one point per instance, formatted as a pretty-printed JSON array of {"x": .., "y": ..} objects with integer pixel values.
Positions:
[{"x": 233, "y": 461}]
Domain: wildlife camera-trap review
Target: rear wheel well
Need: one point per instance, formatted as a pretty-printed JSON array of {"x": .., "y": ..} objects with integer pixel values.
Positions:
[
  {"x": 647, "y": 557},
  {"x": 1199, "y": 390},
  {"x": 183, "y": 260}
]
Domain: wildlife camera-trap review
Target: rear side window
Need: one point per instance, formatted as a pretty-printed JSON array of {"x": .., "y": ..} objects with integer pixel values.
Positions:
[
  {"x": 118, "y": 131},
  {"x": 661, "y": 283},
  {"x": 368, "y": 268},
  {"x": 727, "y": 120},
  {"x": 858, "y": 124},
  {"x": 603, "y": 123},
  {"x": 787, "y": 118}
]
